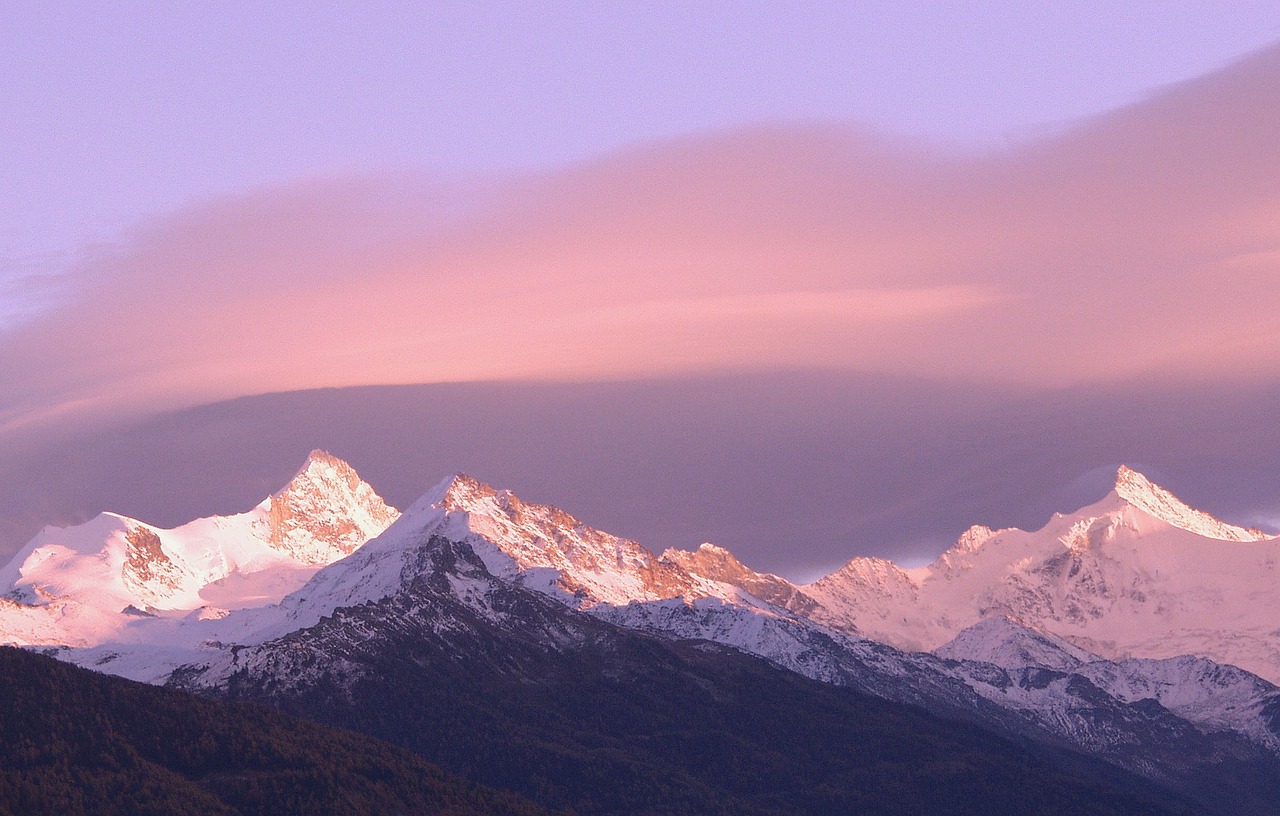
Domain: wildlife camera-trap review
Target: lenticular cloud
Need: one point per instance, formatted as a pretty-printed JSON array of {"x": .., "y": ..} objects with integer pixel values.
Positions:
[{"x": 1145, "y": 241}]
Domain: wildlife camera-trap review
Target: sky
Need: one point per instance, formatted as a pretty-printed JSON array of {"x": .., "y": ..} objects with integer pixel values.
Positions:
[
  {"x": 208, "y": 202},
  {"x": 116, "y": 112}
]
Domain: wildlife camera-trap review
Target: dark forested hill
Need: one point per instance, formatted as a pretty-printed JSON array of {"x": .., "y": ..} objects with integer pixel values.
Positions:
[{"x": 77, "y": 742}]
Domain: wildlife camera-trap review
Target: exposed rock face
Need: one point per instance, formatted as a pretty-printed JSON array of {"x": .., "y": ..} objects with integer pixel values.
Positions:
[
  {"x": 325, "y": 512},
  {"x": 718, "y": 564},
  {"x": 594, "y": 566},
  {"x": 148, "y": 571}
]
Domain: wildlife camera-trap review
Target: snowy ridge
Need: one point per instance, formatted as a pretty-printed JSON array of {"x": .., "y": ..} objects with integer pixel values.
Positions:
[
  {"x": 719, "y": 565},
  {"x": 545, "y": 545},
  {"x": 535, "y": 546},
  {"x": 1211, "y": 695},
  {"x": 451, "y": 569},
  {"x": 613, "y": 579},
  {"x": 862, "y": 591},
  {"x": 86, "y": 584},
  {"x": 1137, "y": 574},
  {"x": 709, "y": 595},
  {"x": 1159, "y": 503}
]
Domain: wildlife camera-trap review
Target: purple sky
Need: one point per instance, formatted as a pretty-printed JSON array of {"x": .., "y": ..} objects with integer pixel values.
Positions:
[{"x": 114, "y": 112}]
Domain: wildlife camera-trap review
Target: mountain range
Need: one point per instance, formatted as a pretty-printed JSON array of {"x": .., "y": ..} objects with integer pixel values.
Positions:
[{"x": 1126, "y": 642}]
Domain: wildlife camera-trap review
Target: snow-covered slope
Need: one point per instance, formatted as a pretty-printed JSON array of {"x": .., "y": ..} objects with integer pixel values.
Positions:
[
  {"x": 1010, "y": 645},
  {"x": 1113, "y": 567},
  {"x": 534, "y": 546},
  {"x": 1138, "y": 574},
  {"x": 708, "y": 594},
  {"x": 83, "y": 585},
  {"x": 545, "y": 547},
  {"x": 1059, "y": 683}
]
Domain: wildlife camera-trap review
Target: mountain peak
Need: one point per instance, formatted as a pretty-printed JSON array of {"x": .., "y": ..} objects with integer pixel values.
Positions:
[
  {"x": 1011, "y": 644},
  {"x": 1133, "y": 486},
  {"x": 325, "y": 511},
  {"x": 1138, "y": 491},
  {"x": 323, "y": 457},
  {"x": 462, "y": 491},
  {"x": 709, "y": 561},
  {"x": 715, "y": 563},
  {"x": 321, "y": 467},
  {"x": 544, "y": 545}
]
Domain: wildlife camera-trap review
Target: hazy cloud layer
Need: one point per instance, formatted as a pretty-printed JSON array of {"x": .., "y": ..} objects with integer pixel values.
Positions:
[
  {"x": 795, "y": 472},
  {"x": 1144, "y": 241}
]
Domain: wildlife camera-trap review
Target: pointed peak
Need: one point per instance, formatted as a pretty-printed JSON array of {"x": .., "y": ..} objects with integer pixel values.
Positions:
[
  {"x": 1130, "y": 484},
  {"x": 325, "y": 511},
  {"x": 867, "y": 569},
  {"x": 323, "y": 457},
  {"x": 462, "y": 493},
  {"x": 322, "y": 466},
  {"x": 1140, "y": 492},
  {"x": 973, "y": 538},
  {"x": 715, "y": 563},
  {"x": 459, "y": 492}
]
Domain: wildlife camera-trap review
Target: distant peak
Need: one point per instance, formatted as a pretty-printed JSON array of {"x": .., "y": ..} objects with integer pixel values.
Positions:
[
  {"x": 323, "y": 466},
  {"x": 973, "y": 538},
  {"x": 1140, "y": 492},
  {"x": 325, "y": 511},
  {"x": 460, "y": 492},
  {"x": 323, "y": 457},
  {"x": 868, "y": 570},
  {"x": 708, "y": 560},
  {"x": 1132, "y": 485}
]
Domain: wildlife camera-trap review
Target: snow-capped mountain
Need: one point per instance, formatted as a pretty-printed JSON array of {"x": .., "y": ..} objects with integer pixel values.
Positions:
[
  {"x": 545, "y": 550},
  {"x": 1137, "y": 574},
  {"x": 236, "y": 597},
  {"x": 82, "y": 585},
  {"x": 709, "y": 595},
  {"x": 469, "y": 568},
  {"x": 1010, "y": 645}
]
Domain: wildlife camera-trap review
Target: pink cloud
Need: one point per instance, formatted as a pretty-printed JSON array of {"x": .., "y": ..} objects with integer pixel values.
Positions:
[{"x": 1146, "y": 241}]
